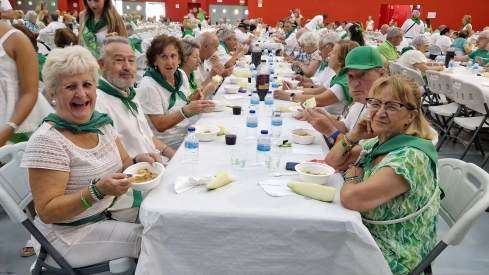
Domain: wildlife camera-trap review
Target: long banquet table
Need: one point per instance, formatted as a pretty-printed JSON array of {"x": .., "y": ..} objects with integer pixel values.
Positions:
[{"x": 240, "y": 229}]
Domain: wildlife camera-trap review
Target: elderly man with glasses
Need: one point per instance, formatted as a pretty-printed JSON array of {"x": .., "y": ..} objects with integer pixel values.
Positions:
[
  {"x": 388, "y": 47},
  {"x": 480, "y": 55}
]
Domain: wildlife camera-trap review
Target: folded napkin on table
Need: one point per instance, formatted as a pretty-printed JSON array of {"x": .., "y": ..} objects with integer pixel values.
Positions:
[
  {"x": 185, "y": 183},
  {"x": 277, "y": 187}
]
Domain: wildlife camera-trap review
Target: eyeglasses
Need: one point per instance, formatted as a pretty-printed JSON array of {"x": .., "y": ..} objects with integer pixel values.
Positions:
[
  {"x": 390, "y": 107},
  {"x": 320, "y": 49}
]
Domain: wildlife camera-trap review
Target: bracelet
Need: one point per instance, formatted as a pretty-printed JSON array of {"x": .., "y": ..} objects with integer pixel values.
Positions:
[
  {"x": 134, "y": 161},
  {"x": 163, "y": 150},
  {"x": 183, "y": 113},
  {"x": 355, "y": 178},
  {"x": 94, "y": 189},
  {"x": 85, "y": 202},
  {"x": 346, "y": 146},
  {"x": 349, "y": 141},
  {"x": 13, "y": 125}
]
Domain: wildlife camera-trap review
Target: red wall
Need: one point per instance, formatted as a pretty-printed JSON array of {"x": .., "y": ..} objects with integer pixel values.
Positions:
[{"x": 359, "y": 10}]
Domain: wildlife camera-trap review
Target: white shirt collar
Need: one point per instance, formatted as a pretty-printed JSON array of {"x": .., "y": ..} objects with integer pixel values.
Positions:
[{"x": 119, "y": 90}]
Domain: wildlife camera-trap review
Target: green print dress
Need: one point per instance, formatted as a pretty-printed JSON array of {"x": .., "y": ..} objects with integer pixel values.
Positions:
[{"x": 405, "y": 244}]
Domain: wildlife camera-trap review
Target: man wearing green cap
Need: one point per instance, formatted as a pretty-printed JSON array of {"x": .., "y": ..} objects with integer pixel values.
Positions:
[{"x": 364, "y": 65}]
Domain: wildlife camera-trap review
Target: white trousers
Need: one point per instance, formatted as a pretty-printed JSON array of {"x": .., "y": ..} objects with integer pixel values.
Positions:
[{"x": 108, "y": 240}]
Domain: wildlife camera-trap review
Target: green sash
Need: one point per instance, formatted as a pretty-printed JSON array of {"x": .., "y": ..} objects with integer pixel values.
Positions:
[
  {"x": 154, "y": 74},
  {"x": 463, "y": 27},
  {"x": 405, "y": 49},
  {"x": 189, "y": 32},
  {"x": 322, "y": 66},
  {"x": 89, "y": 37},
  {"x": 344, "y": 36},
  {"x": 194, "y": 84},
  {"x": 343, "y": 82},
  {"x": 290, "y": 32},
  {"x": 97, "y": 119},
  {"x": 437, "y": 31},
  {"x": 137, "y": 44},
  {"x": 224, "y": 46},
  {"x": 40, "y": 60},
  {"x": 135, "y": 22},
  {"x": 416, "y": 20},
  {"x": 109, "y": 89},
  {"x": 91, "y": 219}
]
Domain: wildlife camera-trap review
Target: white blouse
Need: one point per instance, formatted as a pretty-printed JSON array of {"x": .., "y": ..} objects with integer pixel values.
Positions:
[{"x": 412, "y": 57}]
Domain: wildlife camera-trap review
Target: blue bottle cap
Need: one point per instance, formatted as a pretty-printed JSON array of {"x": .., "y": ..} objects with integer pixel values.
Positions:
[
  {"x": 252, "y": 111},
  {"x": 269, "y": 92},
  {"x": 191, "y": 129},
  {"x": 255, "y": 91},
  {"x": 264, "y": 132}
]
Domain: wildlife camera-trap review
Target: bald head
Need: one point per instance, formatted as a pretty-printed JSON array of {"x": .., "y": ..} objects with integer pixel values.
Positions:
[
  {"x": 384, "y": 29},
  {"x": 441, "y": 27},
  {"x": 208, "y": 44},
  {"x": 300, "y": 33}
]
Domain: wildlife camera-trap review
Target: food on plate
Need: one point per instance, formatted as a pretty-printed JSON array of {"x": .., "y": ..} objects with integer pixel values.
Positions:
[
  {"x": 147, "y": 176},
  {"x": 222, "y": 178},
  {"x": 313, "y": 190},
  {"x": 217, "y": 78},
  {"x": 304, "y": 134},
  {"x": 207, "y": 132},
  {"x": 314, "y": 174},
  {"x": 311, "y": 103},
  {"x": 285, "y": 108},
  {"x": 285, "y": 144}
]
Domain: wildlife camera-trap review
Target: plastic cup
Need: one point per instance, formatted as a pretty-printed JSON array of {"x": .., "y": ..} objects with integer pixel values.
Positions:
[
  {"x": 231, "y": 136},
  {"x": 272, "y": 161},
  {"x": 236, "y": 110},
  {"x": 239, "y": 159}
]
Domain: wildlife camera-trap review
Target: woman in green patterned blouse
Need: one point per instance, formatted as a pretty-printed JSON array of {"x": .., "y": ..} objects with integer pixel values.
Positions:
[{"x": 395, "y": 173}]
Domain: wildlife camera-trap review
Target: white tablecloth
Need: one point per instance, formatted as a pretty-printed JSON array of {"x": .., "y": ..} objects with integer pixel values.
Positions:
[
  {"x": 239, "y": 229},
  {"x": 463, "y": 74},
  {"x": 266, "y": 45}
]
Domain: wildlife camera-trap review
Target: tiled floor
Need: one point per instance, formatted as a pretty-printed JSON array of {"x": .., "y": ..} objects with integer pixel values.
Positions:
[{"x": 470, "y": 257}]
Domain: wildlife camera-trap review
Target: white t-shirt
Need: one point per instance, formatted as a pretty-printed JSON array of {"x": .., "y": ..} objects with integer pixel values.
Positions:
[
  {"x": 410, "y": 58},
  {"x": 336, "y": 108},
  {"x": 443, "y": 41},
  {"x": 223, "y": 56},
  {"x": 434, "y": 37},
  {"x": 318, "y": 19},
  {"x": 5, "y": 6},
  {"x": 133, "y": 131},
  {"x": 324, "y": 77},
  {"x": 357, "y": 111},
  {"x": 242, "y": 37},
  {"x": 382, "y": 37},
  {"x": 49, "y": 31},
  {"x": 203, "y": 71},
  {"x": 414, "y": 31},
  {"x": 404, "y": 43},
  {"x": 370, "y": 25},
  {"x": 155, "y": 100},
  {"x": 291, "y": 44}
]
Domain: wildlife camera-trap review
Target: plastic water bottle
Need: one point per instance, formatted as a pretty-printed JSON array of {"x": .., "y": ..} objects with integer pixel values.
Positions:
[
  {"x": 275, "y": 84},
  {"x": 255, "y": 101},
  {"x": 269, "y": 103},
  {"x": 265, "y": 52},
  {"x": 251, "y": 125},
  {"x": 469, "y": 64},
  {"x": 276, "y": 130},
  {"x": 451, "y": 64},
  {"x": 191, "y": 146},
  {"x": 263, "y": 147},
  {"x": 274, "y": 52},
  {"x": 475, "y": 68},
  {"x": 253, "y": 77},
  {"x": 252, "y": 67}
]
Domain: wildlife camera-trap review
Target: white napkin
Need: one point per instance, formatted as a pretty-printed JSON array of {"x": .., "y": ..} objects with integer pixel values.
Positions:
[
  {"x": 232, "y": 96},
  {"x": 277, "y": 188},
  {"x": 307, "y": 149},
  {"x": 485, "y": 84},
  {"x": 185, "y": 183}
]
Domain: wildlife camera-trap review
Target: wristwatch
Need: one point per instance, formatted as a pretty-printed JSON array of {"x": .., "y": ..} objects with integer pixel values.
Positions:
[
  {"x": 163, "y": 150},
  {"x": 332, "y": 138},
  {"x": 292, "y": 96}
]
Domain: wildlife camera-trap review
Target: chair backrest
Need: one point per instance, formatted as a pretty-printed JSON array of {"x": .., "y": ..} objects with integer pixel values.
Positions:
[
  {"x": 446, "y": 85},
  {"x": 413, "y": 74},
  {"x": 392, "y": 68},
  {"x": 14, "y": 181},
  {"x": 434, "y": 49},
  {"x": 468, "y": 94},
  {"x": 42, "y": 48},
  {"x": 433, "y": 79},
  {"x": 141, "y": 62},
  {"x": 463, "y": 202}
]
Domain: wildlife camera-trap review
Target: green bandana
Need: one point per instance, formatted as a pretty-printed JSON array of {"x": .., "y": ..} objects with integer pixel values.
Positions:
[
  {"x": 194, "y": 84},
  {"x": 437, "y": 31},
  {"x": 344, "y": 36},
  {"x": 135, "y": 22},
  {"x": 189, "y": 32},
  {"x": 89, "y": 37},
  {"x": 41, "y": 59},
  {"x": 289, "y": 33},
  {"x": 154, "y": 74},
  {"x": 166, "y": 24},
  {"x": 224, "y": 46},
  {"x": 462, "y": 27},
  {"x": 136, "y": 43},
  {"x": 343, "y": 82},
  {"x": 322, "y": 66},
  {"x": 97, "y": 119},
  {"x": 406, "y": 49},
  {"x": 416, "y": 20},
  {"x": 109, "y": 89}
]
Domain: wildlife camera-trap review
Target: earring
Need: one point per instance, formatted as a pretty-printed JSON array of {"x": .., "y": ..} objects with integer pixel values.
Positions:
[{"x": 53, "y": 102}]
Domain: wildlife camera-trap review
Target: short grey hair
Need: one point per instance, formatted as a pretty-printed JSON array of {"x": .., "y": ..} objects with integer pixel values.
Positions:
[
  {"x": 67, "y": 61},
  {"x": 347, "y": 26},
  {"x": 484, "y": 34},
  {"x": 188, "y": 46},
  {"x": 486, "y": 28},
  {"x": 111, "y": 39},
  {"x": 205, "y": 38},
  {"x": 416, "y": 13},
  {"x": 441, "y": 27},
  {"x": 393, "y": 32},
  {"x": 31, "y": 14},
  {"x": 420, "y": 40},
  {"x": 195, "y": 23},
  {"x": 129, "y": 29},
  {"x": 331, "y": 37},
  {"x": 309, "y": 39},
  {"x": 226, "y": 34}
]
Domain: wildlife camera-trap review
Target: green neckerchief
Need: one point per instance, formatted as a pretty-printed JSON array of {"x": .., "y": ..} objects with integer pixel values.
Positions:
[
  {"x": 416, "y": 20},
  {"x": 96, "y": 120},
  {"x": 154, "y": 74},
  {"x": 406, "y": 49},
  {"x": 437, "y": 31},
  {"x": 464, "y": 26},
  {"x": 344, "y": 36},
  {"x": 397, "y": 142},
  {"x": 109, "y": 89},
  {"x": 322, "y": 66},
  {"x": 89, "y": 32},
  {"x": 137, "y": 44},
  {"x": 40, "y": 60},
  {"x": 189, "y": 32},
  {"x": 166, "y": 24},
  {"x": 194, "y": 84},
  {"x": 224, "y": 46},
  {"x": 290, "y": 32},
  {"x": 135, "y": 22},
  {"x": 343, "y": 82}
]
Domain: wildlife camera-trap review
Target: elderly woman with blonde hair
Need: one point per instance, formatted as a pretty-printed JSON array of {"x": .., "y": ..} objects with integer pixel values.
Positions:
[
  {"x": 74, "y": 188},
  {"x": 191, "y": 28},
  {"x": 393, "y": 174}
]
